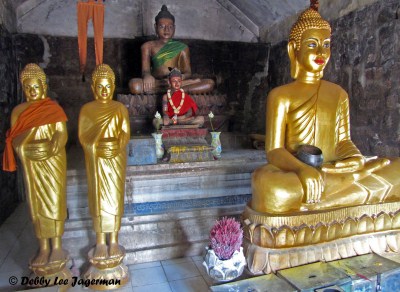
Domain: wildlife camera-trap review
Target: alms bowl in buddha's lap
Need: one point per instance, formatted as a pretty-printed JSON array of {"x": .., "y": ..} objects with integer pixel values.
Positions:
[{"x": 310, "y": 155}]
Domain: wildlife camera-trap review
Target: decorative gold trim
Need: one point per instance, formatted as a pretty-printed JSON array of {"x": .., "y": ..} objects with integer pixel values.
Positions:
[
  {"x": 304, "y": 229},
  {"x": 262, "y": 260},
  {"x": 315, "y": 217}
]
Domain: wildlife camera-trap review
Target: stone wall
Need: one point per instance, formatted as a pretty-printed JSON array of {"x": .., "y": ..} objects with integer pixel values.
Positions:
[
  {"x": 206, "y": 19},
  {"x": 365, "y": 61},
  {"x": 7, "y": 16},
  {"x": 238, "y": 69},
  {"x": 8, "y": 181}
]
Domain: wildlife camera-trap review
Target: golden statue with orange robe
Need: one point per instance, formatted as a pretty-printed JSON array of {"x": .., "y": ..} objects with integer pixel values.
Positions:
[
  {"x": 38, "y": 134},
  {"x": 301, "y": 213}
]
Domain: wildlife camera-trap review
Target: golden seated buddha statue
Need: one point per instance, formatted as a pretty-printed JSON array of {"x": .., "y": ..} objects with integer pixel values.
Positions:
[
  {"x": 289, "y": 195},
  {"x": 315, "y": 112}
]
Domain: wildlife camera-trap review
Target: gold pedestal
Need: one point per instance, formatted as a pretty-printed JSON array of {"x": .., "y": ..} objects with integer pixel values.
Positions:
[
  {"x": 274, "y": 242},
  {"x": 108, "y": 273},
  {"x": 52, "y": 274}
]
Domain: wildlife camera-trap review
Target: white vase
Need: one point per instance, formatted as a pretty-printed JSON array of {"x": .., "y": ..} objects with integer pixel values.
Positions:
[
  {"x": 224, "y": 270},
  {"x": 216, "y": 144},
  {"x": 159, "y": 145}
]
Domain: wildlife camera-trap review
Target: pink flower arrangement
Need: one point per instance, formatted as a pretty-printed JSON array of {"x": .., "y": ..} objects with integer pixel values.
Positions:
[{"x": 226, "y": 237}]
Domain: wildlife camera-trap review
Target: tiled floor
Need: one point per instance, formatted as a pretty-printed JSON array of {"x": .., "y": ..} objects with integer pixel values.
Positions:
[{"x": 18, "y": 244}]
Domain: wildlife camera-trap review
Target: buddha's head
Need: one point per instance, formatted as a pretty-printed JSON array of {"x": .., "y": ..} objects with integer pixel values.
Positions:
[
  {"x": 165, "y": 24},
  {"x": 309, "y": 44},
  {"x": 33, "y": 81},
  {"x": 103, "y": 83},
  {"x": 175, "y": 79}
]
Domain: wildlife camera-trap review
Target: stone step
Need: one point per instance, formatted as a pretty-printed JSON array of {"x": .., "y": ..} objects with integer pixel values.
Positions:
[
  {"x": 180, "y": 187},
  {"x": 151, "y": 237},
  {"x": 145, "y": 187},
  {"x": 79, "y": 209},
  {"x": 163, "y": 182},
  {"x": 169, "y": 208},
  {"x": 160, "y": 194}
]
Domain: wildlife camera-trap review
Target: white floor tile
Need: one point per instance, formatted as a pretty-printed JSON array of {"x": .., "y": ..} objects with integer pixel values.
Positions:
[
  {"x": 5, "y": 280},
  {"x": 176, "y": 261},
  {"x": 10, "y": 232},
  {"x": 20, "y": 214},
  {"x": 210, "y": 281},
  {"x": 162, "y": 287},
  {"x": 200, "y": 267},
  {"x": 197, "y": 258},
  {"x": 19, "y": 256},
  {"x": 144, "y": 266},
  {"x": 181, "y": 271},
  {"x": 147, "y": 276},
  {"x": 81, "y": 288},
  {"x": 5, "y": 248},
  {"x": 196, "y": 284}
]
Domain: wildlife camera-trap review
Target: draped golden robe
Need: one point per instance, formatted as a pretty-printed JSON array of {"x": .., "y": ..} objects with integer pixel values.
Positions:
[
  {"x": 45, "y": 181},
  {"x": 106, "y": 177},
  {"x": 321, "y": 120}
]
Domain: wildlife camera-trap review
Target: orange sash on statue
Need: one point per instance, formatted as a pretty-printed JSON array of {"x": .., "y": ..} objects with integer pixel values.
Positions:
[{"x": 39, "y": 113}]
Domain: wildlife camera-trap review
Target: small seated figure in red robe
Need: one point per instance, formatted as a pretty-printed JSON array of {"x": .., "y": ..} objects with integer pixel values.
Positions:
[{"x": 178, "y": 107}]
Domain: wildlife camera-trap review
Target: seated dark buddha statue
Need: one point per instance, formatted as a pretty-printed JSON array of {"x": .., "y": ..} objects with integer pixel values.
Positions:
[
  {"x": 315, "y": 112},
  {"x": 164, "y": 53}
]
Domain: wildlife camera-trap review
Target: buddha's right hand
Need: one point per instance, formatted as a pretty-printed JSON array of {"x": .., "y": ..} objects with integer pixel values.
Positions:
[
  {"x": 312, "y": 182},
  {"x": 148, "y": 83}
]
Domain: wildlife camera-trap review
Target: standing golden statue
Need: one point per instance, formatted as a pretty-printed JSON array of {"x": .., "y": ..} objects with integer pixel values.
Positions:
[
  {"x": 302, "y": 212},
  {"x": 162, "y": 53},
  {"x": 315, "y": 112},
  {"x": 38, "y": 134},
  {"x": 104, "y": 133}
]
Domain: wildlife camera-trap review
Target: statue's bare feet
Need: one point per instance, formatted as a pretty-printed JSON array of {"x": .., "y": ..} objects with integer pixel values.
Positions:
[
  {"x": 57, "y": 255},
  {"x": 100, "y": 251},
  {"x": 41, "y": 258},
  {"x": 115, "y": 250}
]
